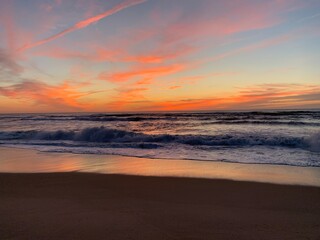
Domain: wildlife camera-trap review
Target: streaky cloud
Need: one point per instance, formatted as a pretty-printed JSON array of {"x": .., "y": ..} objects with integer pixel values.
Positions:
[
  {"x": 8, "y": 63},
  {"x": 84, "y": 23},
  {"x": 263, "y": 96}
]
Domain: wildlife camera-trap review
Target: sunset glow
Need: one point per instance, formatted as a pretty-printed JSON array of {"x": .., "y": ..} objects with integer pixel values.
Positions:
[{"x": 152, "y": 55}]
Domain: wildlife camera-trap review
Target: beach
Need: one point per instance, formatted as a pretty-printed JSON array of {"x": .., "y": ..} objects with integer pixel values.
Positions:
[
  {"x": 47, "y": 195},
  {"x": 159, "y": 120},
  {"x": 108, "y": 206}
]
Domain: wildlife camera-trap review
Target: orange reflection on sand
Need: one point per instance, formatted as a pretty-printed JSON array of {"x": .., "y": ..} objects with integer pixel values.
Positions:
[{"x": 26, "y": 160}]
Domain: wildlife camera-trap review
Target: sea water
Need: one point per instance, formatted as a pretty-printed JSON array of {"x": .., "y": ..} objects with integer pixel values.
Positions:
[{"x": 268, "y": 137}]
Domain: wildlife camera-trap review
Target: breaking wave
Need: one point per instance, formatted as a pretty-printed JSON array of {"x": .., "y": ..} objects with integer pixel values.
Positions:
[{"x": 122, "y": 138}]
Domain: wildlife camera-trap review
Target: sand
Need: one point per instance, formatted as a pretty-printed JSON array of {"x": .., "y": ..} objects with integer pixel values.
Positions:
[{"x": 102, "y": 206}]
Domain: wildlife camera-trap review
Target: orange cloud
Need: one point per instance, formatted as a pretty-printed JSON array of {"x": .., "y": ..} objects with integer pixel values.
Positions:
[
  {"x": 131, "y": 96},
  {"x": 141, "y": 72},
  {"x": 174, "y": 87},
  {"x": 127, "y": 93},
  {"x": 84, "y": 23},
  {"x": 144, "y": 81},
  {"x": 64, "y": 95},
  {"x": 192, "y": 79},
  {"x": 127, "y": 98},
  {"x": 162, "y": 54},
  {"x": 265, "y": 96}
]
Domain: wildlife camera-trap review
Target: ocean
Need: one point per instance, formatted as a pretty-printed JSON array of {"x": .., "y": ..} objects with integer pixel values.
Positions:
[{"x": 256, "y": 137}]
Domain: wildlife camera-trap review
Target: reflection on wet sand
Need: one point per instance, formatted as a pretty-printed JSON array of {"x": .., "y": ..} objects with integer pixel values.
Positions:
[{"x": 26, "y": 160}]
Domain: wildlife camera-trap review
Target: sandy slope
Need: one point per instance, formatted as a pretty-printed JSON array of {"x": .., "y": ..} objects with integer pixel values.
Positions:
[{"x": 93, "y": 206}]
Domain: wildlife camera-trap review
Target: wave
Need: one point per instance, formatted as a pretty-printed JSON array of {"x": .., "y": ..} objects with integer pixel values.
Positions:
[
  {"x": 122, "y": 138},
  {"x": 262, "y": 122},
  {"x": 307, "y": 118},
  {"x": 201, "y": 116}
]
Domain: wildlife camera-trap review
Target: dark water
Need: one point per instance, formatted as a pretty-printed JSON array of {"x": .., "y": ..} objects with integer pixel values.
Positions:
[{"x": 273, "y": 137}]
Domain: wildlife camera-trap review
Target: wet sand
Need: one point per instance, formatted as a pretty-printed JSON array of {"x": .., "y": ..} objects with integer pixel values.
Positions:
[
  {"x": 19, "y": 160},
  {"x": 106, "y": 206}
]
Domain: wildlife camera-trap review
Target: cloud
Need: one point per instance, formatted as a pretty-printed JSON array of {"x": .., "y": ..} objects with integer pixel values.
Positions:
[
  {"x": 65, "y": 95},
  {"x": 173, "y": 40},
  {"x": 7, "y": 63},
  {"x": 309, "y": 17},
  {"x": 224, "y": 19},
  {"x": 10, "y": 70},
  {"x": 174, "y": 87},
  {"x": 169, "y": 42},
  {"x": 177, "y": 38},
  {"x": 8, "y": 25},
  {"x": 47, "y": 7},
  {"x": 118, "y": 54},
  {"x": 255, "y": 46},
  {"x": 58, "y": 2},
  {"x": 96, "y": 55},
  {"x": 84, "y": 23},
  {"x": 162, "y": 54},
  {"x": 131, "y": 94},
  {"x": 141, "y": 72},
  {"x": 264, "y": 96},
  {"x": 127, "y": 98}
]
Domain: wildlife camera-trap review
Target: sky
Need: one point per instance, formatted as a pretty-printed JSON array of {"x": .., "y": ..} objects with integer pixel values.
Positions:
[{"x": 158, "y": 55}]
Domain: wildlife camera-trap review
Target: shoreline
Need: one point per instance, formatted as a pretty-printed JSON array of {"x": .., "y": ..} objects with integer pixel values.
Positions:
[
  {"x": 113, "y": 206},
  {"x": 22, "y": 160},
  {"x": 153, "y": 158}
]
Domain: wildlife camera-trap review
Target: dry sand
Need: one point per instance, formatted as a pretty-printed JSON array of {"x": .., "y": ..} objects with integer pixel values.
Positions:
[{"x": 101, "y": 206}]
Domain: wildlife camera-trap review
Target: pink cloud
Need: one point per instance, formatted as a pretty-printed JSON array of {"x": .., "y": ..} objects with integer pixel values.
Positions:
[
  {"x": 235, "y": 17},
  {"x": 13, "y": 34},
  {"x": 119, "y": 54},
  {"x": 46, "y": 7},
  {"x": 97, "y": 55},
  {"x": 58, "y": 2},
  {"x": 8, "y": 63},
  {"x": 255, "y": 46},
  {"x": 84, "y": 23}
]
